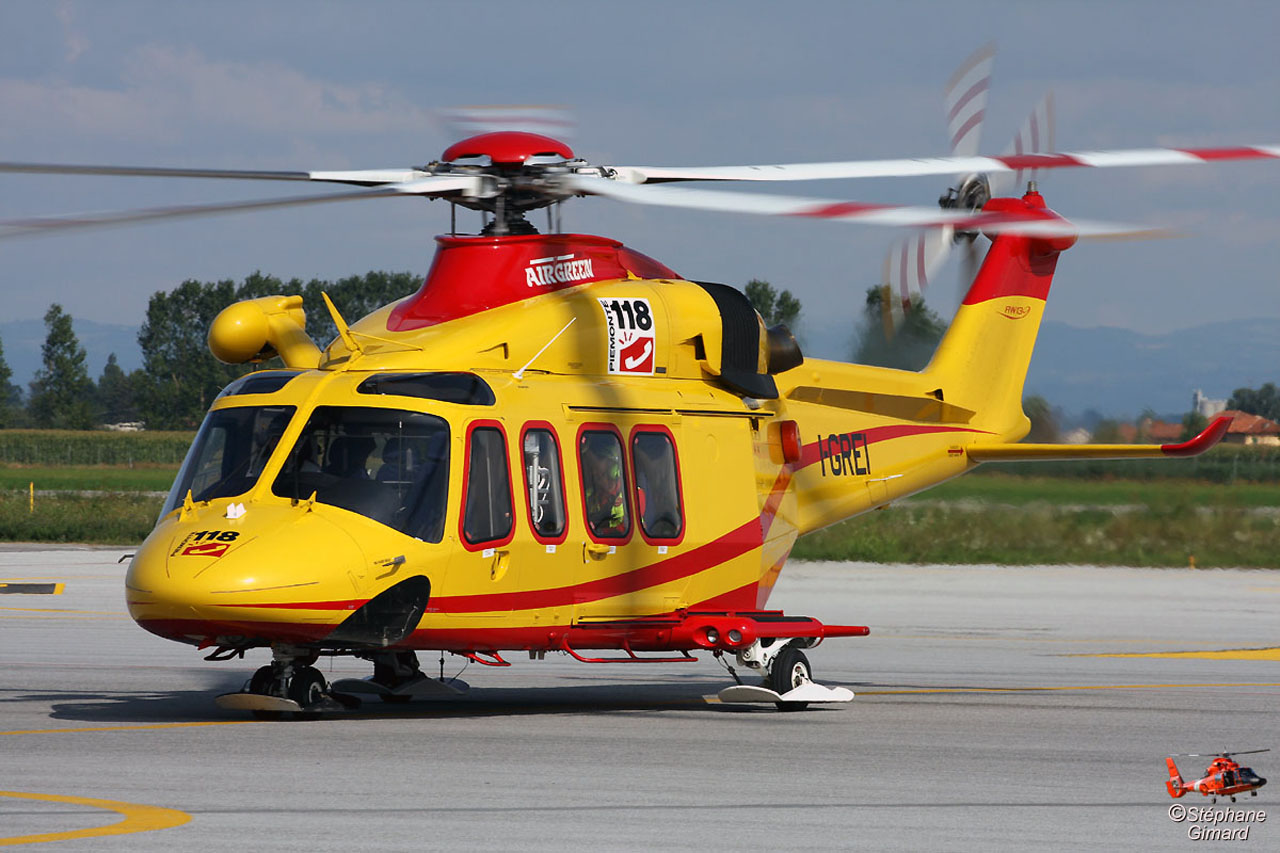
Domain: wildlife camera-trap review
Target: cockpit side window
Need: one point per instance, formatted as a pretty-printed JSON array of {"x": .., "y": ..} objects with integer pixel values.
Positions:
[
  {"x": 487, "y": 504},
  {"x": 389, "y": 465},
  {"x": 230, "y": 453}
]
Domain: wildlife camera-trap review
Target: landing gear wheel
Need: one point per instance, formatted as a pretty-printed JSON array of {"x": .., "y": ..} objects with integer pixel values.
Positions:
[
  {"x": 307, "y": 687},
  {"x": 262, "y": 681},
  {"x": 790, "y": 669}
]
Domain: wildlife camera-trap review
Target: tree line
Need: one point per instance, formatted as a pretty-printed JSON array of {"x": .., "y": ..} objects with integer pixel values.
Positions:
[{"x": 179, "y": 377}]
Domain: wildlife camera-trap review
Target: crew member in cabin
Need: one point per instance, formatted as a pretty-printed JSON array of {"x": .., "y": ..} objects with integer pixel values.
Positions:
[{"x": 603, "y": 484}]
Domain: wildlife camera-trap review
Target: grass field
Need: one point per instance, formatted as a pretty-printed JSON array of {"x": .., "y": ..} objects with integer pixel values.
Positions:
[
  {"x": 111, "y": 478},
  {"x": 1021, "y": 491},
  {"x": 123, "y": 519},
  {"x": 1207, "y": 537}
]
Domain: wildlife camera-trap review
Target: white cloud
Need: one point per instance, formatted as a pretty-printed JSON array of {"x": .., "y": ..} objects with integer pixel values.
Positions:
[
  {"x": 76, "y": 42},
  {"x": 166, "y": 94}
]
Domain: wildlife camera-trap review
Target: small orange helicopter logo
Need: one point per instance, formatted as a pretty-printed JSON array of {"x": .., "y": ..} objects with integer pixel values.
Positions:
[{"x": 1223, "y": 777}]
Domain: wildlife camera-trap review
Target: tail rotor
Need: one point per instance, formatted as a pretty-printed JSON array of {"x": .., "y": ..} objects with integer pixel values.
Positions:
[{"x": 914, "y": 261}]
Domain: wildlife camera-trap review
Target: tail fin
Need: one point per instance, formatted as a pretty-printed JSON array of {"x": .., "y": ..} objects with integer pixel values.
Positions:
[
  {"x": 981, "y": 363},
  {"x": 1174, "y": 783}
]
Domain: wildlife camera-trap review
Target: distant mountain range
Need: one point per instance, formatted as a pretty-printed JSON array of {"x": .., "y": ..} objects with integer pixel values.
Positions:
[
  {"x": 1119, "y": 373},
  {"x": 1115, "y": 372}
]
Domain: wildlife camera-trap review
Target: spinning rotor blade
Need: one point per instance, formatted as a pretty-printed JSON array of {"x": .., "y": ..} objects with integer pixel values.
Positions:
[
  {"x": 1034, "y": 137},
  {"x": 909, "y": 267},
  {"x": 965, "y": 101},
  {"x": 868, "y": 214},
  {"x": 913, "y": 261},
  {"x": 431, "y": 186},
  {"x": 366, "y": 177},
  {"x": 946, "y": 165}
]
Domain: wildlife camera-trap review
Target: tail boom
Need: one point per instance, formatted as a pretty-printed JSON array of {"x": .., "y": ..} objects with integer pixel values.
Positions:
[{"x": 1174, "y": 783}]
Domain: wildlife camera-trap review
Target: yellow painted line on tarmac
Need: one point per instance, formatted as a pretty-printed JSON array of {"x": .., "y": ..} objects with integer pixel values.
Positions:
[
  {"x": 137, "y": 818},
  {"x": 1220, "y": 654},
  {"x": 914, "y": 690},
  {"x": 32, "y": 612},
  {"x": 137, "y": 728}
]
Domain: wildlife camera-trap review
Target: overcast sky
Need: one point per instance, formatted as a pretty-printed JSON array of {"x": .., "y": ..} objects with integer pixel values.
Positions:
[{"x": 316, "y": 85}]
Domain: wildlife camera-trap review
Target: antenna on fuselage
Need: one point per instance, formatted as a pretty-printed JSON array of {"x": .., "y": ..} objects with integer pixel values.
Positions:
[
  {"x": 519, "y": 374},
  {"x": 344, "y": 331}
]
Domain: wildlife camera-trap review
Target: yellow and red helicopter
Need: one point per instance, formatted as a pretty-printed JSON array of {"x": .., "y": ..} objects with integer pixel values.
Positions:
[
  {"x": 558, "y": 444},
  {"x": 1224, "y": 777}
]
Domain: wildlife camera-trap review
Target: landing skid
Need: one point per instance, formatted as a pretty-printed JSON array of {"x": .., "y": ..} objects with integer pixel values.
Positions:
[
  {"x": 262, "y": 704},
  {"x": 421, "y": 687},
  {"x": 805, "y": 693}
]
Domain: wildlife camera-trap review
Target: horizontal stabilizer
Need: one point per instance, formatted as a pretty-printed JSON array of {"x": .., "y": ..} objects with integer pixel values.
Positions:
[{"x": 1042, "y": 452}]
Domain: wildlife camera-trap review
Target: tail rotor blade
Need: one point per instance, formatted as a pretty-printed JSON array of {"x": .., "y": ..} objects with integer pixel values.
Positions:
[
  {"x": 965, "y": 99},
  {"x": 910, "y": 265},
  {"x": 1036, "y": 136}
]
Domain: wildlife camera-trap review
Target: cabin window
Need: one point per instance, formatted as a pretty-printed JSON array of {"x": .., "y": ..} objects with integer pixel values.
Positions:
[
  {"x": 487, "y": 513},
  {"x": 229, "y": 453},
  {"x": 389, "y": 465},
  {"x": 604, "y": 484},
  {"x": 657, "y": 475},
  {"x": 544, "y": 484}
]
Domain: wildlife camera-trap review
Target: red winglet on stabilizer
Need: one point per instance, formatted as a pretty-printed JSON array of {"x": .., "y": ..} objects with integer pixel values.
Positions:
[{"x": 1211, "y": 435}]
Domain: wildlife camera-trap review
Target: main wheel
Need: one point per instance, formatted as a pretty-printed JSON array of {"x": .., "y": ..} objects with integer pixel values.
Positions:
[
  {"x": 262, "y": 682},
  {"x": 307, "y": 687},
  {"x": 790, "y": 669}
]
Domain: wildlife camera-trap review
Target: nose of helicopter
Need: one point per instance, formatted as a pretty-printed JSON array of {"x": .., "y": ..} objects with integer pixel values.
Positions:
[{"x": 277, "y": 573}]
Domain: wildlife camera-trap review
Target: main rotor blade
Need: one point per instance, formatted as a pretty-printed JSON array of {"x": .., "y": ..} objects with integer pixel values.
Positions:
[
  {"x": 946, "y": 165},
  {"x": 49, "y": 224},
  {"x": 364, "y": 177},
  {"x": 869, "y": 214}
]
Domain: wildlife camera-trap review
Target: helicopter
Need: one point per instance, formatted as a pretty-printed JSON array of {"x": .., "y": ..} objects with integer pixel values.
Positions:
[
  {"x": 1224, "y": 777},
  {"x": 558, "y": 444}
]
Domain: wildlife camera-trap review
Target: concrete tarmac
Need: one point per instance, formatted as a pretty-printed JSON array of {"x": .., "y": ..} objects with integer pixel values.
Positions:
[{"x": 991, "y": 715}]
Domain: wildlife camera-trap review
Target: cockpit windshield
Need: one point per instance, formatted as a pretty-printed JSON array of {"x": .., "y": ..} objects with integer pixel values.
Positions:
[
  {"x": 386, "y": 464},
  {"x": 229, "y": 453}
]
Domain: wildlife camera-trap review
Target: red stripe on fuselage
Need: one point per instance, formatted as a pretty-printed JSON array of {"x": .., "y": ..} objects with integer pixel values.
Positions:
[
  {"x": 735, "y": 543},
  {"x": 810, "y": 453}
]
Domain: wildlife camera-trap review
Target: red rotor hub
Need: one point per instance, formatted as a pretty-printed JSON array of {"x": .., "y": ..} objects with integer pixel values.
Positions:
[{"x": 508, "y": 148}]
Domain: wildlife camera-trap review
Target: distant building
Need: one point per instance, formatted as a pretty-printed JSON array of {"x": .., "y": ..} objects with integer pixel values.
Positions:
[
  {"x": 1251, "y": 429},
  {"x": 1149, "y": 431},
  {"x": 1079, "y": 435},
  {"x": 1206, "y": 407}
]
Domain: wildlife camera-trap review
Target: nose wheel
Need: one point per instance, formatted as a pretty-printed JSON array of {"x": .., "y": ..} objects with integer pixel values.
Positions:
[{"x": 289, "y": 684}]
